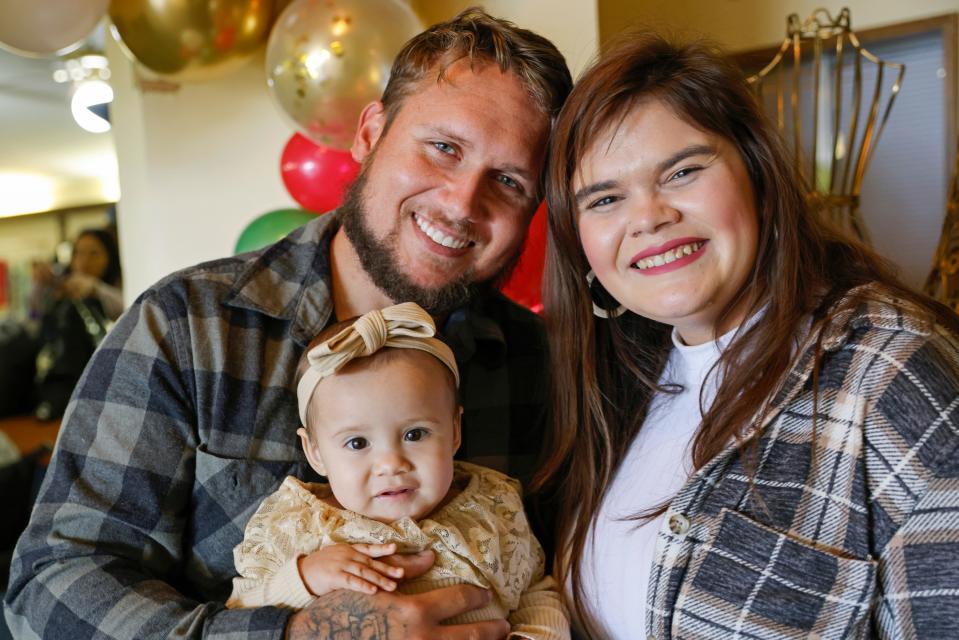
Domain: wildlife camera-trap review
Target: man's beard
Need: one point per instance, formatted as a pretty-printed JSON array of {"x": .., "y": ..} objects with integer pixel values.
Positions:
[{"x": 379, "y": 259}]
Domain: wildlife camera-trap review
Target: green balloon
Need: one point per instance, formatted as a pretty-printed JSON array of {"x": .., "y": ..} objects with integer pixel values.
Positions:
[{"x": 270, "y": 227}]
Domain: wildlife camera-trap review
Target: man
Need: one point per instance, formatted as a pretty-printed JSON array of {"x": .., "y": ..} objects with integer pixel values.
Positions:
[{"x": 186, "y": 417}]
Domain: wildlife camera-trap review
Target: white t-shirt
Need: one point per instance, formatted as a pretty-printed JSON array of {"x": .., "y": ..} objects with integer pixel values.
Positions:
[{"x": 618, "y": 555}]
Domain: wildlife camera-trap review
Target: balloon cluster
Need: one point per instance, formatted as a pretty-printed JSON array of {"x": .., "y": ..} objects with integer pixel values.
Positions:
[{"x": 325, "y": 60}]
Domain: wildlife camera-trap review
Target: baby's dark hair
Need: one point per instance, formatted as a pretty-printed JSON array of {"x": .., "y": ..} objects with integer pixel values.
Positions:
[{"x": 376, "y": 360}]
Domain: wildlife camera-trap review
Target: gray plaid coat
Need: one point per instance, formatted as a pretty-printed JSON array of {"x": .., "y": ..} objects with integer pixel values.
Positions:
[
  {"x": 856, "y": 534},
  {"x": 185, "y": 419}
]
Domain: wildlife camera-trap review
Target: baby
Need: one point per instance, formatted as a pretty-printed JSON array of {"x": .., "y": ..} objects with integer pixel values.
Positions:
[{"x": 378, "y": 400}]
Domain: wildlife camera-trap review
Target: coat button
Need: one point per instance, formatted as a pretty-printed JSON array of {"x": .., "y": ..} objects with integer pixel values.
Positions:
[{"x": 678, "y": 524}]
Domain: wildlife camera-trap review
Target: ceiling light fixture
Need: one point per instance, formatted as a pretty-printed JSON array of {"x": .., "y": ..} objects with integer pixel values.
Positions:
[{"x": 90, "y": 105}]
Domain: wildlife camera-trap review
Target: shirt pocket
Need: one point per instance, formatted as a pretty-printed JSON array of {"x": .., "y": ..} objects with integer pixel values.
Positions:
[
  {"x": 226, "y": 493},
  {"x": 762, "y": 583}
]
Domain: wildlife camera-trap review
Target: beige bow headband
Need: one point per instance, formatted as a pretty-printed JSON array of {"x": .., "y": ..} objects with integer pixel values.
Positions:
[{"x": 404, "y": 326}]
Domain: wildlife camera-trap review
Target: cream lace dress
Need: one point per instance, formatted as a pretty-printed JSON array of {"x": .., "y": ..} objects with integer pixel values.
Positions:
[{"x": 479, "y": 537}]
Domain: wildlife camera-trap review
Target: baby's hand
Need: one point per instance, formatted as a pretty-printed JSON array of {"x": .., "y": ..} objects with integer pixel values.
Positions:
[{"x": 349, "y": 566}]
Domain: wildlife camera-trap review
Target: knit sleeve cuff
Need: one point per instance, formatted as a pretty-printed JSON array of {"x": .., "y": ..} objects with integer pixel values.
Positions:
[{"x": 286, "y": 587}]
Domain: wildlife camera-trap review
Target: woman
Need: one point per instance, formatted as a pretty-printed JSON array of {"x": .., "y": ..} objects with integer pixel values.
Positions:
[
  {"x": 94, "y": 273},
  {"x": 754, "y": 421},
  {"x": 81, "y": 309}
]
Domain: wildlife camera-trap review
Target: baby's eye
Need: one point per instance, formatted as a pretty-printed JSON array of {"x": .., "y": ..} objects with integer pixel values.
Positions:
[
  {"x": 357, "y": 444},
  {"x": 415, "y": 435}
]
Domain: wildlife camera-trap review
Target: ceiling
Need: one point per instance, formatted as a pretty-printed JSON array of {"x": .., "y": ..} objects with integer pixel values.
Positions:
[{"x": 46, "y": 160}]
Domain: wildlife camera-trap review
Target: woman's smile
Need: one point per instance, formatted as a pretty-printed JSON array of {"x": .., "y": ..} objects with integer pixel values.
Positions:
[{"x": 669, "y": 257}]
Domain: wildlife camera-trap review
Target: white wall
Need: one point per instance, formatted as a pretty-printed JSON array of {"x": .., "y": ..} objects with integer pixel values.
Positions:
[
  {"x": 572, "y": 25},
  {"x": 197, "y": 165},
  {"x": 748, "y": 24}
]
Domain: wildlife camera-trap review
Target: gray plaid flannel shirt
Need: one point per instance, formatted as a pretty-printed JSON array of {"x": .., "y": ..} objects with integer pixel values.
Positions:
[
  {"x": 185, "y": 420},
  {"x": 856, "y": 534}
]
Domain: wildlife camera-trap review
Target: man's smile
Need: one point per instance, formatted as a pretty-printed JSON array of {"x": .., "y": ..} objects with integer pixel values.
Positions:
[{"x": 437, "y": 235}]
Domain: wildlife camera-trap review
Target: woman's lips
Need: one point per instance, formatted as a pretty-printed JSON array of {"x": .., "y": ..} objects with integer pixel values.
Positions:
[
  {"x": 675, "y": 256},
  {"x": 649, "y": 252}
]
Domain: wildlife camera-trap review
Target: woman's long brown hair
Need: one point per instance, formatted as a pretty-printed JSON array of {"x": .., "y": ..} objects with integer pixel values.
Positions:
[{"x": 605, "y": 372}]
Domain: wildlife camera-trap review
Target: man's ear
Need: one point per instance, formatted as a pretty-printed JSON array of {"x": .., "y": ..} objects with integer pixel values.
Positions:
[
  {"x": 312, "y": 455},
  {"x": 368, "y": 132},
  {"x": 457, "y": 435}
]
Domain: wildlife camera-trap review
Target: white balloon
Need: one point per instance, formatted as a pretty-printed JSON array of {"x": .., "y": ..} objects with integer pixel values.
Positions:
[{"x": 47, "y": 27}]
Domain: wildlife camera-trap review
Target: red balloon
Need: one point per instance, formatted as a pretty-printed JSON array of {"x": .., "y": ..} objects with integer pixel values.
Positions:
[
  {"x": 525, "y": 284},
  {"x": 316, "y": 177}
]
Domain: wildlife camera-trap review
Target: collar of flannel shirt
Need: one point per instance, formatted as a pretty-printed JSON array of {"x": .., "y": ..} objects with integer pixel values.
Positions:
[
  {"x": 291, "y": 280},
  {"x": 878, "y": 310}
]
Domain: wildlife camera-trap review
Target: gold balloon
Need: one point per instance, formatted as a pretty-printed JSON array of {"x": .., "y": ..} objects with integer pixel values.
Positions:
[
  {"x": 191, "y": 39},
  {"x": 326, "y": 59}
]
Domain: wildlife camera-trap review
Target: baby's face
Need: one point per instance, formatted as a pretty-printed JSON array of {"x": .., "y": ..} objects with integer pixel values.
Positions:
[{"x": 385, "y": 435}]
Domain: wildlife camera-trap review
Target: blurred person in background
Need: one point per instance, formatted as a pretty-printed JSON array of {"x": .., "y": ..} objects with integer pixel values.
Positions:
[
  {"x": 93, "y": 274},
  {"x": 75, "y": 311}
]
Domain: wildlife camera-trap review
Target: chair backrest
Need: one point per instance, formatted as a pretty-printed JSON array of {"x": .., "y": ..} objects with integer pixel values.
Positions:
[
  {"x": 943, "y": 280},
  {"x": 830, "y": 99}
]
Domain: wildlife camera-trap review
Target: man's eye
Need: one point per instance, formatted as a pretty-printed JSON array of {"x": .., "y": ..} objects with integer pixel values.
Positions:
[
  {"x": 445, "y": 148},
  {"x": 357, "y": 443},
  {"x": 415, "y": 435},
  {"x": 508, "y": 181}
]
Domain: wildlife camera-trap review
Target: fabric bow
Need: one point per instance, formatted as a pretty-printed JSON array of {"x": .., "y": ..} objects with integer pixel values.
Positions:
[{"x": 402, "y": 326}]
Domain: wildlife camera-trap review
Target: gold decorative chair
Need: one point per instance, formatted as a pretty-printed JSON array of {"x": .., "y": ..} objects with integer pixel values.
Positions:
[
  {"x": 943, "y": 280},
  {"x": 830, "y": 98}
]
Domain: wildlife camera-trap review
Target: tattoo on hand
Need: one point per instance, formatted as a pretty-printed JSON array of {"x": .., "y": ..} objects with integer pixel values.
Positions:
[{"x": 344, "y": 615}]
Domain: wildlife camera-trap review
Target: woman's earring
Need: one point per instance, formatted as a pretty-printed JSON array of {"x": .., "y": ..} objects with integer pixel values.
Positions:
[{"x": 598, "y": 311}]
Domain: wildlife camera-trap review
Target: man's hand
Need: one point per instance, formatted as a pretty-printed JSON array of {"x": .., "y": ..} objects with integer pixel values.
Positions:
[
  {"x": 349, "y": 566},
  {"x": 391, "y": 616}
]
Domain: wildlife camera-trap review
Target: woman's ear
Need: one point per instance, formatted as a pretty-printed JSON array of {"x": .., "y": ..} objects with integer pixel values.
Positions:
[
  {"x": 312, "y": 455},
  {"x": 368, "y": 132}
]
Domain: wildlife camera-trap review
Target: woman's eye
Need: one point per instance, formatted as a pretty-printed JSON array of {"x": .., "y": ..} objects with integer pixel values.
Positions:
[
  {"x": 415, "y": 435},
  {"x": 357, "y": 443},
  {"x": 685, "y": 172},
  {"x": 602, "y": 202},
  {"x": 444, "y": 148}
]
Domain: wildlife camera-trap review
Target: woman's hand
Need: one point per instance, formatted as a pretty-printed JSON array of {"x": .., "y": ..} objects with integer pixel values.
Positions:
[
  {"x": 78, "y": 286},
  {"x": 42, "y": 273},
  {"x": 349, "y": 566}
]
